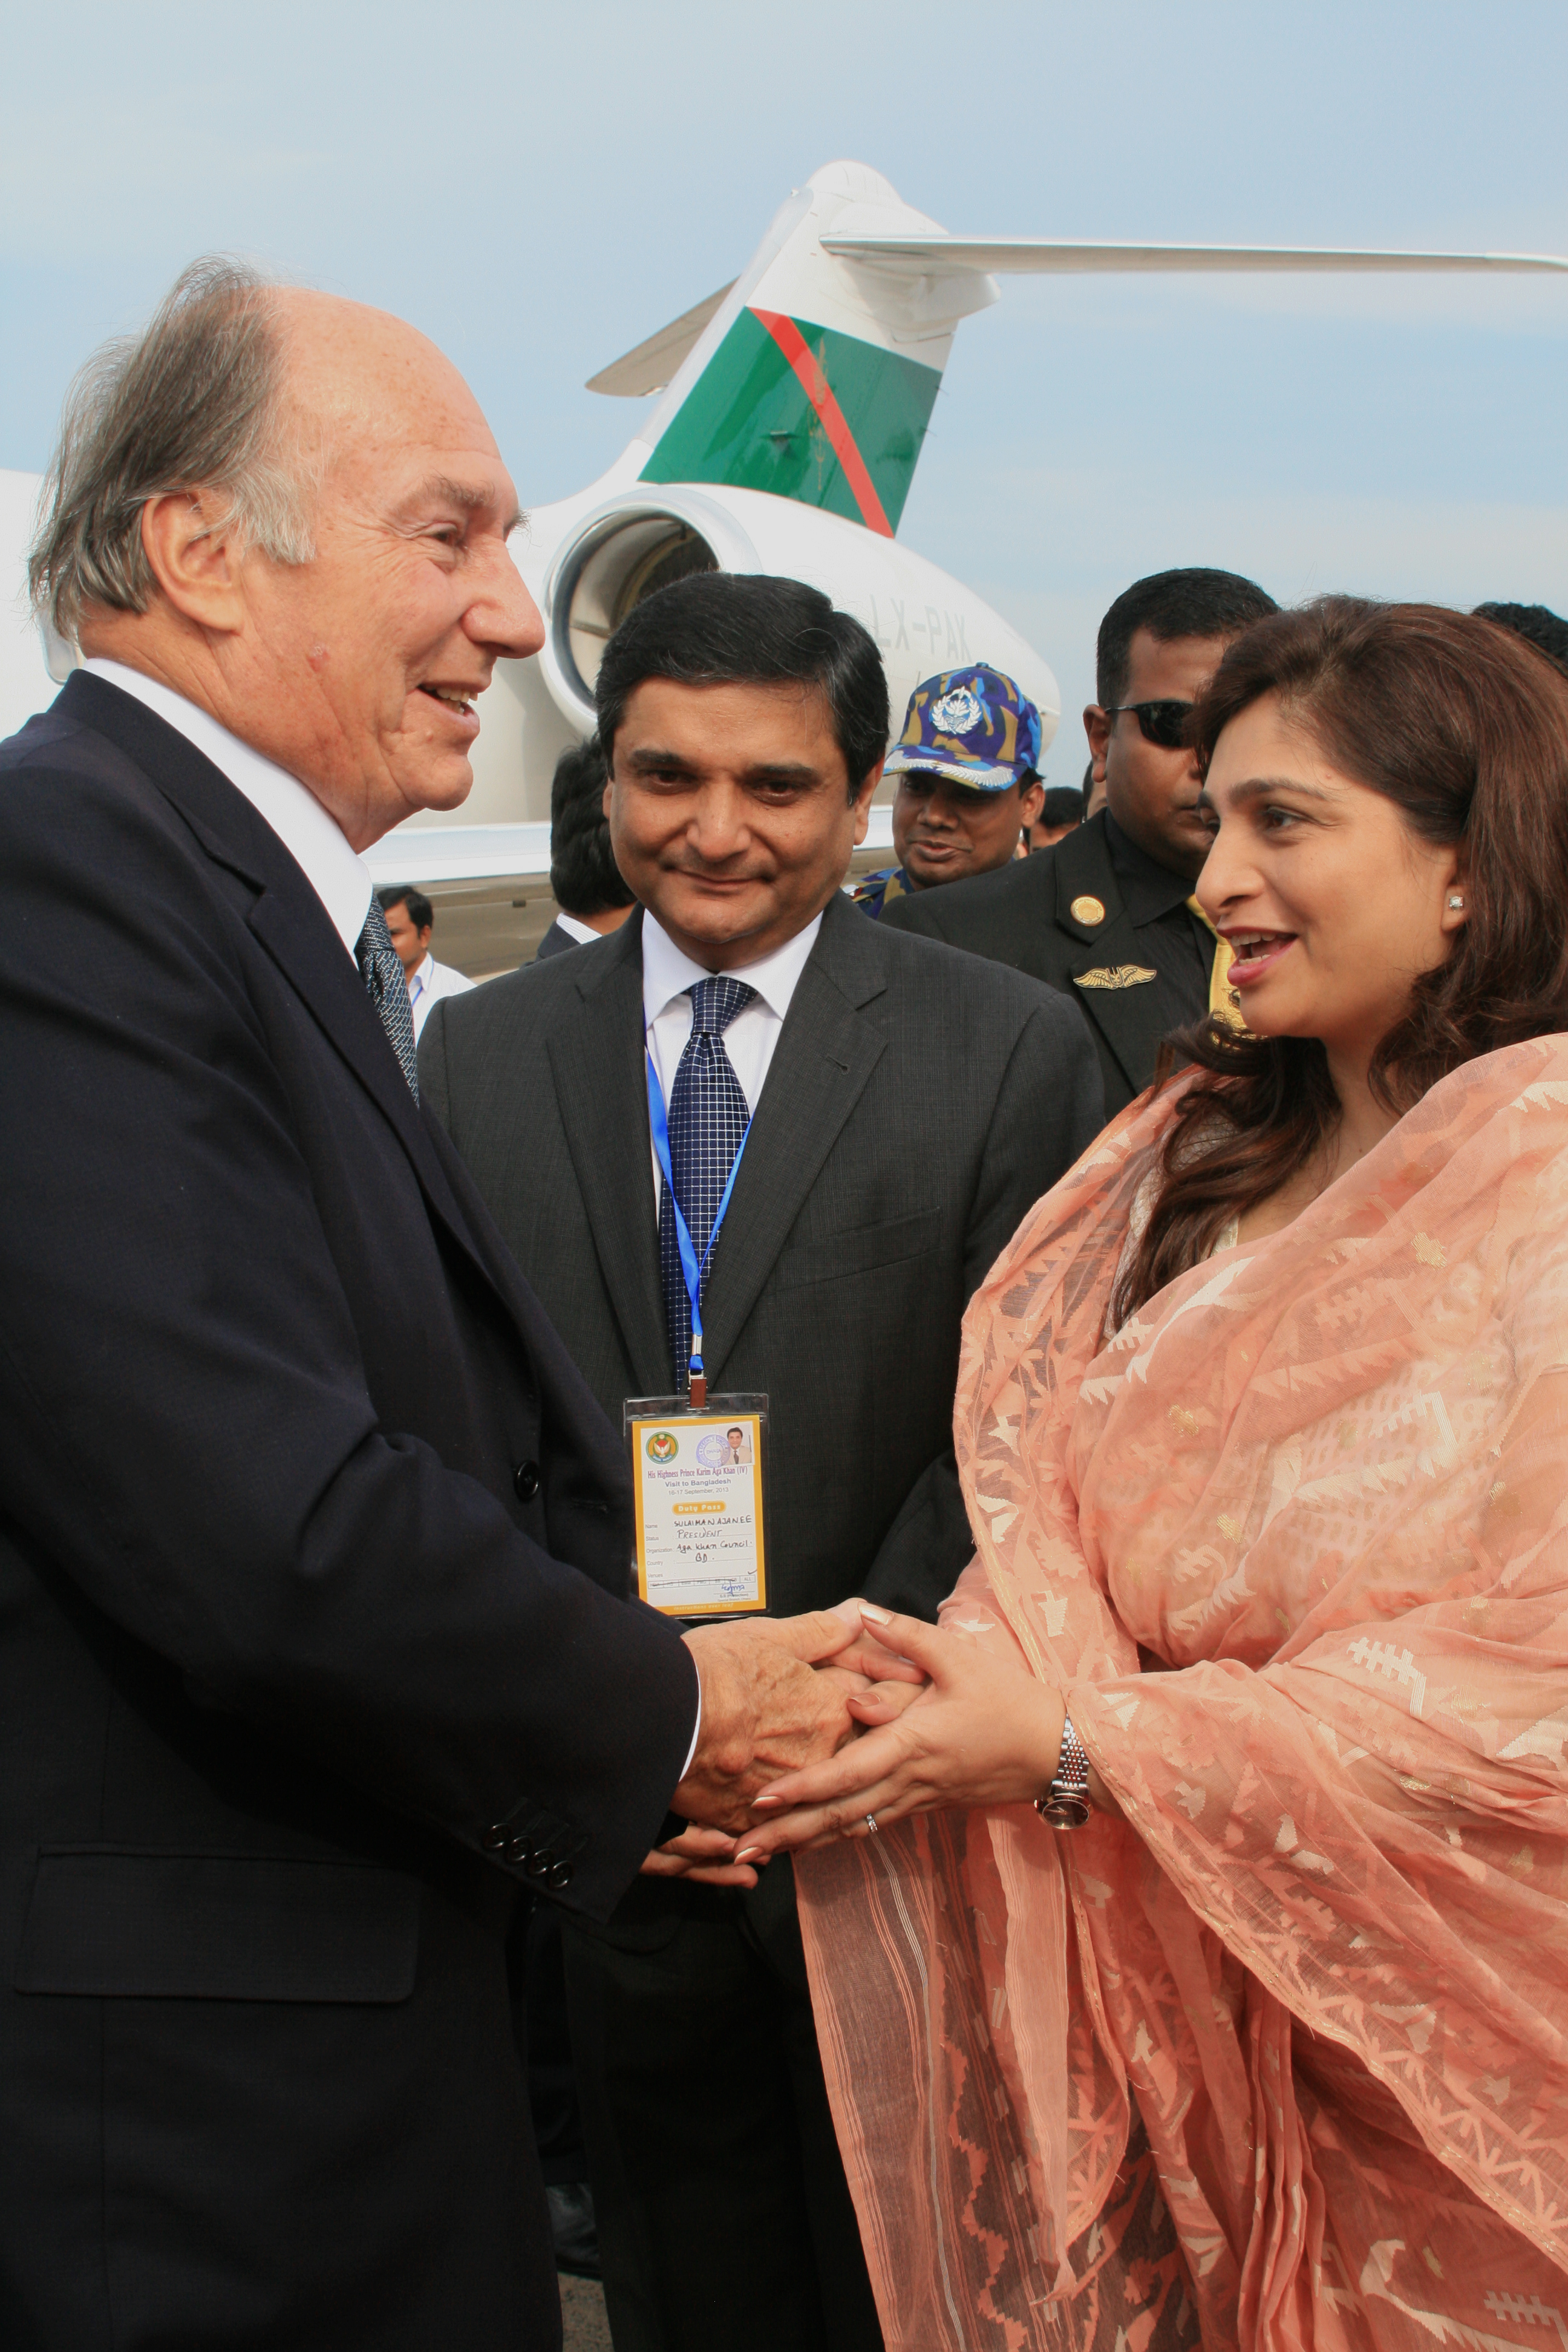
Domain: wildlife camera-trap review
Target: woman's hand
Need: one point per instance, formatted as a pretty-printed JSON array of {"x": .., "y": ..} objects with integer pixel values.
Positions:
[{"x": 981, "y": 1731}]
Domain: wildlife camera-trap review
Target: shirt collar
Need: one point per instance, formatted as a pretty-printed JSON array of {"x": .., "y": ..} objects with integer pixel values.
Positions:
[
  {"x": 1149, "y": 890},
  {"x": 667, "y": 973},
  {"x": 420, "y": 975},
  {"x": 340, "y": 878}
]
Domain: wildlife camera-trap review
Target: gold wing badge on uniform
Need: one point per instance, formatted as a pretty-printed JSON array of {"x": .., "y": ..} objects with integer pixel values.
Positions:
[{"x": 1115, "y": 975}]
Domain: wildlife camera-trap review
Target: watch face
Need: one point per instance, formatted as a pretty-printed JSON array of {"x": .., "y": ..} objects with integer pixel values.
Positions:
[{"x": 1064, "y": 1812}]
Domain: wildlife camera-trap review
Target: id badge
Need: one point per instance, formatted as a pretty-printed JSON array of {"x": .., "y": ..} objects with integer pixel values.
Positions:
[{"x": 698, "y": 1481}]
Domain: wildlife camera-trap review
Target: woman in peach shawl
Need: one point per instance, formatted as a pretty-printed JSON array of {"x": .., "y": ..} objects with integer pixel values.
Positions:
[{"x": 1263, "y": 1426}]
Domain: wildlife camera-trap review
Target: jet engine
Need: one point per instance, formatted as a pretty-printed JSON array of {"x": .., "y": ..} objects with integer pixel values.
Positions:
[{"x": 590, "y": 562}]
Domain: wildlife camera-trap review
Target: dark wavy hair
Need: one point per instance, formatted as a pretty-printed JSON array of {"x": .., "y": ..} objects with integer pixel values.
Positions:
[
  {"x": 749, "y": 628},
  {"x": 584, "y": 876},
  {"x": 1465, "y": 728}
]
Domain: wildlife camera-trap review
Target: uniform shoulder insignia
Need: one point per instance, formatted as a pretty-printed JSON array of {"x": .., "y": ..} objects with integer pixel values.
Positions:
[{"x": 1115, "y": 975}]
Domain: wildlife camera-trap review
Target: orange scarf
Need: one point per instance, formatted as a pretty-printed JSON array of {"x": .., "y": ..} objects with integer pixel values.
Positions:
[{"x": 1322, "y": 1480}]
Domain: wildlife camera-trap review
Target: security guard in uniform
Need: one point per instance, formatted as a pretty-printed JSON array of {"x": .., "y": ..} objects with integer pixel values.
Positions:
[
  {"x": 1108, "y": 916},
  {"x": 967, "y": 767}
]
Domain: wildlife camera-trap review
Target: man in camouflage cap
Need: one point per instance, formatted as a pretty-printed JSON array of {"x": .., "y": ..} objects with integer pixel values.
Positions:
[{"x": 967, "y": 767}]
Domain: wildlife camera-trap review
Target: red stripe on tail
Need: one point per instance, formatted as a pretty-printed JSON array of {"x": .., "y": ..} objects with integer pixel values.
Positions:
[{"x": 834, "y": 422}]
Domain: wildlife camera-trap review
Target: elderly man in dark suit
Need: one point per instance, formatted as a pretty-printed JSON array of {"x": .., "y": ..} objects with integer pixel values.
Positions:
[
  {"x": 315, "y": 1652},
  {"x": 901, "y": 1108},
  {"x": 1108, "y": 915}
]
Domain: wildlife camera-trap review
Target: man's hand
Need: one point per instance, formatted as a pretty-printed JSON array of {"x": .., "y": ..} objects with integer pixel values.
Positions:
[
  {"x": 764, "y": 1711},
  {"x": 705, "y": 1857}
]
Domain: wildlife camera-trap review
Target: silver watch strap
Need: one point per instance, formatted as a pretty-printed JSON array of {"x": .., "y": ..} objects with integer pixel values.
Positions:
[{"x": 1066, "y": 1803}]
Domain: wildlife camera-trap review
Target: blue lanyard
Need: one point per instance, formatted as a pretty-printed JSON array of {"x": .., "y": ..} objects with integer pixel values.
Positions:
[{"x": 690, "y": 1266}]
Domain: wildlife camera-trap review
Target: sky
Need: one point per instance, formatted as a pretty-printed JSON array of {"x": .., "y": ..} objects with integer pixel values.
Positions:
[{"x": 538, "y": 189}]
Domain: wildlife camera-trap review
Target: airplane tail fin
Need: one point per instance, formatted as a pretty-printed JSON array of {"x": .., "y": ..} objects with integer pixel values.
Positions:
[{"x": 813, "y": 374}]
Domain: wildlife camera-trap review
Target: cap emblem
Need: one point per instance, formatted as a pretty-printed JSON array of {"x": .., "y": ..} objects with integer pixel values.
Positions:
[{"x": 957, "y": 713}]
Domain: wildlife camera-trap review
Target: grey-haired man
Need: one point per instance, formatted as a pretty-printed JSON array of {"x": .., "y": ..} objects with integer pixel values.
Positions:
[{"x": 314, "y": 1647}]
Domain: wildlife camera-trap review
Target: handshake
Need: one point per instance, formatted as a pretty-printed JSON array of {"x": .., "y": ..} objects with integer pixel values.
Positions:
[
  {"x": 834, "y": 1725},
  {"x": 779, "y": 1695}
]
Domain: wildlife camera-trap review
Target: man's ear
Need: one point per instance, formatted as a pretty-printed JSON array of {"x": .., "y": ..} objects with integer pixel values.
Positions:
[
  {"x": 1096, "y": 725},
  {"x": 194, "y": 557},
  {"x": 1031, "y": 801},
  {"x": 863, "y": 798}
]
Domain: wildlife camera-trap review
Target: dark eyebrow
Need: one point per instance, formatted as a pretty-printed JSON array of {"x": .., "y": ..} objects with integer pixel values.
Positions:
[
  {"x": 1258, "y": 788},
  {"x": 783, "y": 772},
  {"x": 647, "y": 758}
]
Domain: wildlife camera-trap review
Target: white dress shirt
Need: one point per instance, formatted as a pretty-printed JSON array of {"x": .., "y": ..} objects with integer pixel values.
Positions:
[
  {"x": 575, "y": 929},
  {"x": 748, "y": 1041},
  {"x": 427, "y": 983},
  {"x": 339, "y": 877}
]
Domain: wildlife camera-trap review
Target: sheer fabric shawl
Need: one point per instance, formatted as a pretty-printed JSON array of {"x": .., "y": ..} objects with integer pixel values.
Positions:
[{"x": 1321, "y": 1481}]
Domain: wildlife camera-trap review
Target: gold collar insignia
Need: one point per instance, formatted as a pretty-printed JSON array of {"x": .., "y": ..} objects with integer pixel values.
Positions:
[{"x": 1115, "y": 975}]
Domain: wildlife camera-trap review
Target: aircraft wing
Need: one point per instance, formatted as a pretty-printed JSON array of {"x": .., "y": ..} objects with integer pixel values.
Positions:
[
  {"x": 932, "y": 254},
  {"x": 650, "y": 365}
]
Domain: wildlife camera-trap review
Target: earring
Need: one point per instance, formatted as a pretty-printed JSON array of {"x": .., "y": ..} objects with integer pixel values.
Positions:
[{"x": 1455, "y": 902}]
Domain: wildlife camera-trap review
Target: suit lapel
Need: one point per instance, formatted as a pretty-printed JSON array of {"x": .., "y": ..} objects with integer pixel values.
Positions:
[
  {"x": 286, "y": 917},
  {"x": 596, "y": 1056},
  {"x": 1084, "y": 871},
  {"x": 824, "y": 1054}
]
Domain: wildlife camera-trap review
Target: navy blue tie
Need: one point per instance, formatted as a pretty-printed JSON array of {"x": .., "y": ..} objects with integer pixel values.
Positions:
[{"x": 707, "y": 1117}]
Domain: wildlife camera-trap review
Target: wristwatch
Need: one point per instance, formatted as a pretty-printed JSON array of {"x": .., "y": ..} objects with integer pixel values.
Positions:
[{"x": 1065, "y": 1803}]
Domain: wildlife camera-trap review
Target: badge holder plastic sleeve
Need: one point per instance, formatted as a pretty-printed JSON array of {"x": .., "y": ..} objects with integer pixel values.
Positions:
[{"x": 723, "y": 1579}]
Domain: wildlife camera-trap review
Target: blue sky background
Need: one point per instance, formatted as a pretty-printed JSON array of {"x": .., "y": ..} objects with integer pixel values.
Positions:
[{"x": 539, "y": 188}]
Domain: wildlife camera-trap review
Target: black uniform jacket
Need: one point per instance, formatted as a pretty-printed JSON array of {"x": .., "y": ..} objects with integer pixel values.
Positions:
[
  {"x": 296, "y": 1690},
  {"x": 918, "y": 1103},
  {"x": 1124, "y": 949}
]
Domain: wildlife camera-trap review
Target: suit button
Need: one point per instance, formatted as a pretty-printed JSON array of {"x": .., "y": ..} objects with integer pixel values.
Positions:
[
  {"x": 539, "y": 1863},
  {"x": 525, "y": 1480},
  {"x": 559, "y": 1875},
  {"x": 519, "y": 1849},
  {"x": 495, "y": 1837}
]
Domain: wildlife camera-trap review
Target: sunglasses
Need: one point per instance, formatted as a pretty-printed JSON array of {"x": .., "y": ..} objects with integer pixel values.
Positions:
[{"x": 1158, "y": 722}]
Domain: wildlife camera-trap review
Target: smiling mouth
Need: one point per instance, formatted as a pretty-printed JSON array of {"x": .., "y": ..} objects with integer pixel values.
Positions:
[
  {"x": 453, "y": 697},
  {"x": 1254, "y": 953}
]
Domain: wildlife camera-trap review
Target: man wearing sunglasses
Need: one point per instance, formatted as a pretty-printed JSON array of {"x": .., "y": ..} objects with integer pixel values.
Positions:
[{"x": 1108, "y": 914}]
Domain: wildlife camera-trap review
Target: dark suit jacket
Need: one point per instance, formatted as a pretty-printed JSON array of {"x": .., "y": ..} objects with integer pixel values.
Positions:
[
  {"x": 1132, "y": 988},
  {"x": 293, "y": 1678},
  {"x": 555, "y": 942},
  {"x": 917, "y": 1104}
]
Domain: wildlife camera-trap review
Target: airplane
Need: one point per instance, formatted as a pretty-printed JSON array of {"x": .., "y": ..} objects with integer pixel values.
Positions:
[{"x": 791, "y": 409}]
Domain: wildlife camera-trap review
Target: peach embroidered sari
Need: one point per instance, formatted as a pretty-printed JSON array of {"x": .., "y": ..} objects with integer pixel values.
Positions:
[{"x": 1279, "y": 2058}]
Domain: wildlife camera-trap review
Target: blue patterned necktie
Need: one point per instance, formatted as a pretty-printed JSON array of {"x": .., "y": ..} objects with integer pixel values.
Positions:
[
  {"x": 707, "y": 1117},
  {"x": 380, "y": 969}
]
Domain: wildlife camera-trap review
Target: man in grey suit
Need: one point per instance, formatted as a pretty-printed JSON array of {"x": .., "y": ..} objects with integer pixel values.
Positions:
[{"x": 910, "y": 1105}]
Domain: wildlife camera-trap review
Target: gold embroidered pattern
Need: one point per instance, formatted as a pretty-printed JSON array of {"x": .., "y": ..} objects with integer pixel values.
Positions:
[{"x": 1115, "y": 975}]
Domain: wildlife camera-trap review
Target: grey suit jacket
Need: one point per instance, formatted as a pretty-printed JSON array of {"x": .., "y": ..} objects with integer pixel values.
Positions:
[
  {"x": 918, "y": 1103},
  {"x": 555, "y": 942}
]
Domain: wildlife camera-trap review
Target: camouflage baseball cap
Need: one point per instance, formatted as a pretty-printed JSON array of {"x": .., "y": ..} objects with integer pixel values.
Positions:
[{"x": 974, "y": 727}]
